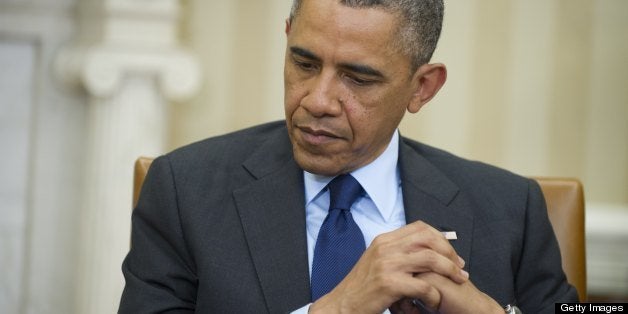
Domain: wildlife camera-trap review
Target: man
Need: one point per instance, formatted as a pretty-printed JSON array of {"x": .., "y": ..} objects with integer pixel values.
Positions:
[{"x": 234, "y": 223}]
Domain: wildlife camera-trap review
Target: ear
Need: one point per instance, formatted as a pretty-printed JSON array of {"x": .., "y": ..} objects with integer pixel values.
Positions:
[
  {"x": 288, "y": 26},
  {"x": 428, "y": 79}
]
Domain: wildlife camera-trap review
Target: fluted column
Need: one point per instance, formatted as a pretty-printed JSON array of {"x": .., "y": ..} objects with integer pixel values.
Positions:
[{"x": 128, "y": 61}]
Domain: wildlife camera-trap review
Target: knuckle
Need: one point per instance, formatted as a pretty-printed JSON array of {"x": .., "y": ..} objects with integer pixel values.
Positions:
[
  {"x": 419, "y": 225},
  {"x": 422, "y": 287},
  {"x": 387, "y": 285},
  {"x": 385, "y": 282},
  {"x": 379, "y": 251},
  {"x": 430, "y": 258},
  {"x": 379, "y": 240},
  {"x": 428, "y": 294}
]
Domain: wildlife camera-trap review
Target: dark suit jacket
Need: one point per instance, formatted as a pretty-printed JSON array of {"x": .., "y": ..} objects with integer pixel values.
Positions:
[{"x": 220, "y": 227}]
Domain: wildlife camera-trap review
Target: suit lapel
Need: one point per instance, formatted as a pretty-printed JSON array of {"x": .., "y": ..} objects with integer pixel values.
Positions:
[
  {"x": 431, "y": 197},
  {"x": 272, "y": 212}
]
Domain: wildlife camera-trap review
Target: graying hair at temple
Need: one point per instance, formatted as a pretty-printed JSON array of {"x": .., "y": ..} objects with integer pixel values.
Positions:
[{"x": 420, "y": 26}]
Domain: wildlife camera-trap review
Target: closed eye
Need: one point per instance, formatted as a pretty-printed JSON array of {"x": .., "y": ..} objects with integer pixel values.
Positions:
[
  {"x": 359, "y": 81},
  {"x": 304, "y": 65},
  {"x": 304, "y": 59}
]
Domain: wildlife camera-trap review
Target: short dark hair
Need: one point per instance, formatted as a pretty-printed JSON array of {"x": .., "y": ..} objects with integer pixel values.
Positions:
[{"x": 419, "y": 29}]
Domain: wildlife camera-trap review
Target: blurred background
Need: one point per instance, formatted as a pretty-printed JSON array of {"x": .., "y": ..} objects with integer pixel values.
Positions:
[{"x": 539, "y": 87}]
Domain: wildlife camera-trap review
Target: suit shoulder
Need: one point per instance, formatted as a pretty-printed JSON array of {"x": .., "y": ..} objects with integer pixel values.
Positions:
[
  {"x": 465, "y": 171},
  {"x": 234, "y": 146}
]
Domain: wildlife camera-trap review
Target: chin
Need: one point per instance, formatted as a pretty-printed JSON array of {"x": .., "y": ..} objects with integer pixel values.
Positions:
[{"x": 317, "y": 164}]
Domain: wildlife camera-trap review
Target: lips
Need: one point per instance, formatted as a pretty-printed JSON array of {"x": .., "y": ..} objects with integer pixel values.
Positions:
[
  {"x": 317, "y": 132},
  {"x": 314, "y": 136}
]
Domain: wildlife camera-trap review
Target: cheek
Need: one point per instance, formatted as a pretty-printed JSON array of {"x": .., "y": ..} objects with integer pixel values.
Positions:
[
  {"x": 366, "y": 110},
  {"x": 363, "y": 120},
  {"x": 374, "y": 119},
  {"x": 293, "y": 93},
  {"x": 393, "y": 106}
]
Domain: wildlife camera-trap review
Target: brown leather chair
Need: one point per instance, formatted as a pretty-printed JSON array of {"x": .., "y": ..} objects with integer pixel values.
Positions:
[
  {"x": 141, "y": 168},
  {"x": 565, "y": 206}
]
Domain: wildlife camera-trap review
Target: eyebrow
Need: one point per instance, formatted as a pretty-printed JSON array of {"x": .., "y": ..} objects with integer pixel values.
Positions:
[
  {"x": 362, "y": 69},
  {"x": 353, "y": 67},
  {"x": 304, "y": 53}
]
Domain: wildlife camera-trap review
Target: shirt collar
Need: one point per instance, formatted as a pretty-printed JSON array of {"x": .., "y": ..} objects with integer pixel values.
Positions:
[{"x": 380, "y": 179}]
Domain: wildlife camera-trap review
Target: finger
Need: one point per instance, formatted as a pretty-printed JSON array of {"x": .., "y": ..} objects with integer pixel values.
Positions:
[
  {"x": 409, "y": 238},
  {"x": 431, "y": 261},
  {"x": 407, "y": 230},
  {"x": 419, "y": 235},
  {"x": 404, "y": 253},
  {"x": 426, "y": 293}
]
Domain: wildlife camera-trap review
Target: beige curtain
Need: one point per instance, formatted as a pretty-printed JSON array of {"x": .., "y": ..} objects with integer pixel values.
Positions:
[{"x": 538, "y": 87}]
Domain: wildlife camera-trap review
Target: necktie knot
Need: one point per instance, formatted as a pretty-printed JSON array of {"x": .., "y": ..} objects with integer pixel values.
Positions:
[{"x": 344, "y": 190}]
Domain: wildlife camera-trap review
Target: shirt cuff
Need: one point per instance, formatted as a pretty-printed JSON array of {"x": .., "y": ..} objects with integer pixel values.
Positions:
[{"x": 303, "y": 310}]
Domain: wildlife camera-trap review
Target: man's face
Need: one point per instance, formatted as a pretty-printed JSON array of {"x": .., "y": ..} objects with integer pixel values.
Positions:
[{"x": 346, "y": 86}]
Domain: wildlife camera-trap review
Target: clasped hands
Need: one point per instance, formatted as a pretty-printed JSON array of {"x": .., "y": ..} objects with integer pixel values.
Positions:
[{"x": 412, "y": 262}]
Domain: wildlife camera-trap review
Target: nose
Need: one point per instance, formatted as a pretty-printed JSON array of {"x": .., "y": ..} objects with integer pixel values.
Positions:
[{"x": 323, "y": 98}]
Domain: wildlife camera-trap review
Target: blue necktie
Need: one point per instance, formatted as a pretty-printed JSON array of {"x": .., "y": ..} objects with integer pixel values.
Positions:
[{"x": 340, "y": 242}]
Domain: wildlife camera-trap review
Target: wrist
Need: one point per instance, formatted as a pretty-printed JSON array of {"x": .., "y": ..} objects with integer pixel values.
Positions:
[
  {"x": 339, "y": 303},
  {"x": 493, "y": 306},
  {"x": 327, "y": 304},
  {"x": 496, "y": 308}
]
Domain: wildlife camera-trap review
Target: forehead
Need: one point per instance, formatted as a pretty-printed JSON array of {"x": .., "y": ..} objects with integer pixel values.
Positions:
[{"x": 327, "y": 23}]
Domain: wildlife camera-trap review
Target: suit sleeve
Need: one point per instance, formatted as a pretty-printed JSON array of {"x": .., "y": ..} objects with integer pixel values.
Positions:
[
  {"x": 159, "y": 272},
  {"x": 540, "y": 280}
]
